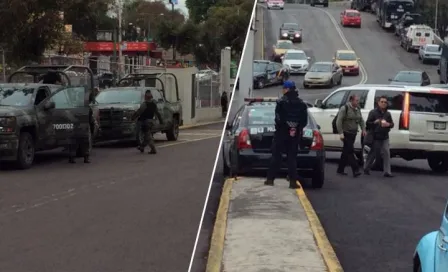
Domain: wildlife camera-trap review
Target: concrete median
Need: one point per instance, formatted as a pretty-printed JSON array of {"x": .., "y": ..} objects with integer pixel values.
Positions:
[{"x": 261, "y": 228}]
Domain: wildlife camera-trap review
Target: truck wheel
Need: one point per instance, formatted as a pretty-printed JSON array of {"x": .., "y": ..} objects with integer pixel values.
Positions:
[
  {"x": 317, "y": 181},
  {"x": 26, "y": 151},
  {"x": 438, "y": 163},
  {"x": 326, "y": 6},
  {"x": 173, "y": 132}
]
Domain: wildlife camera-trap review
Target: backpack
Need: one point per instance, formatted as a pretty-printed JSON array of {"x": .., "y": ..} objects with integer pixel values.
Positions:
[{"x": 335, "y": 127}]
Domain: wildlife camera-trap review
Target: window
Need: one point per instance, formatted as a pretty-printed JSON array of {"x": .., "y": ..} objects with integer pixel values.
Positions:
[
  {"x": 69, "y": 98},
  {"x": 335, "y": 101},
  {"x": 157, "y": 96},
  {"x": 428, "y": 102},
  {"x": 427, "y": 34},
  {"x": 15, "y": 95},
  {"x": 418, "y": 34},
  {"x": 362, "y": 94},
  {"x": 271, "y": 67},
  {"x": 236, "y": 120},
  {"x": 119, "y": 97},
  {"x": 394, "y": 99}
]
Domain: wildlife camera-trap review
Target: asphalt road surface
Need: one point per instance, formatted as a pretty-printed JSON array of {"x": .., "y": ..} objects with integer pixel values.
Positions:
[
  {"x": 126, "y": 211},
  {"x": 373, "y": 223}
]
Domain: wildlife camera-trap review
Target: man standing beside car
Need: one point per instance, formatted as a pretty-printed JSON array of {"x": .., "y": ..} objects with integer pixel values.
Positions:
[
  {"x": 348, "y": 121},
  {"x": 379, "y": 122}
]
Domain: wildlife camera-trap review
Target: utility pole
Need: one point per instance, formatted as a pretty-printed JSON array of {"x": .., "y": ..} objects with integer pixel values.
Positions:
[
  {"x": 437, "y": 13},
  {"x": 3, "y": 64},
  {"x": 175, "y": 39},
  {"x": 120, "y": 34}
]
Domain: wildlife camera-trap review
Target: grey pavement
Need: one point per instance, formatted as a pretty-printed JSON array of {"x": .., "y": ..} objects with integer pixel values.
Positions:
[
  {"x": 125, "y": 211},
  {"x": 267, "y": 230}
]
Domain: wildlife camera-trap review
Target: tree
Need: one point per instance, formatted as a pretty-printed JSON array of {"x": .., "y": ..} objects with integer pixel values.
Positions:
[
  {"x": 197, "y": 9},
  {"x": 187, "y": 38},
  {"x": 166, "y": 34}
]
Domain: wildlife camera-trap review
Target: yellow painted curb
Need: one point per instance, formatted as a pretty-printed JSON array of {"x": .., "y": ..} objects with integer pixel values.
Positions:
[
  {"x": 324, "y": 245},
  {"x": 201, "y": 124},
  {"x": 216, "y": 250}
]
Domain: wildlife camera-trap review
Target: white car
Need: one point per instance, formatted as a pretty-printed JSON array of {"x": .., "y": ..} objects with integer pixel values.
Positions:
[
  {"x": 420, "y": 115},
  {"x": 279, "y": 4},
  {"x": 296, "y": 61}
]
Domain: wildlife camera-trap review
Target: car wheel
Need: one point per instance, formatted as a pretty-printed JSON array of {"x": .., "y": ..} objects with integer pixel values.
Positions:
[
  {"x": 305, "y": 86},
  {"x": 261, "y": 83},
  {"x": 318, "y": 178},
  {"x": 438, "y": 163},
  {"x": 173, "y": 133},
  {"x": 419, "y": 57},
  {"x": 26, "y": 151}
]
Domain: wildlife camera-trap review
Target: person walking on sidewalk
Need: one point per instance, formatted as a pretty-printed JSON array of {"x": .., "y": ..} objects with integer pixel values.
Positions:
[
  {"x": 224, "y": 103},
  {"x": 379, "y": 123},
  {"x": 348, "y": 121},
  {"x": 291, "y": 116}
]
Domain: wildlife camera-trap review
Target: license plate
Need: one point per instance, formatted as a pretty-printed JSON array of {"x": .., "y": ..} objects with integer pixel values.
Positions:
[
  {"x": 440, "y": 125},
  {"x": 347, "y": 70},
  {"x": 291, "y": 38}
]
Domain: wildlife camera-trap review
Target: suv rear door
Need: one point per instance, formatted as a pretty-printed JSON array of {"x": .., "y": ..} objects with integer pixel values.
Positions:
[{"x": 428, "y": 116}]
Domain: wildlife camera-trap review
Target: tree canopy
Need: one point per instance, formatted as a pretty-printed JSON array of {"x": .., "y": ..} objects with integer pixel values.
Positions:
[{"x": 428, "y": 10}]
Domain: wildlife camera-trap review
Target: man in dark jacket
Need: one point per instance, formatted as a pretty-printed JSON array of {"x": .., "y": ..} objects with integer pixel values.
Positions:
[
  {"x": 379, "y": 122},
  {"x": 145, "y": 114},
  {"x": 224, "y": 103},
  {"x": 291, "y": 116}
]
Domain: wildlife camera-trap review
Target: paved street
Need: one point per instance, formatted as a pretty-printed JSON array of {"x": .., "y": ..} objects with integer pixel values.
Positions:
[
  {"x": 373, "y": 224},
  {"x": 125, "y": 211}
]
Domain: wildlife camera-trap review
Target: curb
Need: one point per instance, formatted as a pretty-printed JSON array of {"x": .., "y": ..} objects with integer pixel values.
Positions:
[
  {"x": 216, "y": 251},
  {"x": 202, "y": 124},
  {"x": 326, "y": 249}
]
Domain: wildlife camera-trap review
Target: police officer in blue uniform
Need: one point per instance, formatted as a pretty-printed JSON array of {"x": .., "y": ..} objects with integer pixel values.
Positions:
[{"x": 291, "y": 116}]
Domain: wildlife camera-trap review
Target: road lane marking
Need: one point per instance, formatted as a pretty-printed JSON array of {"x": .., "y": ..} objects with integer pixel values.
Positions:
[
  {"x": 364, "y": 76},
  {"x": 326, "y": 249},
  {"x": 18, "y": 208},
  {"x": 216, "y": 250}
]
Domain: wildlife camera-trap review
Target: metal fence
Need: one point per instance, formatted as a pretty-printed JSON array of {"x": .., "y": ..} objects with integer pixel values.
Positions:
[{"x": 207, "y": 91}]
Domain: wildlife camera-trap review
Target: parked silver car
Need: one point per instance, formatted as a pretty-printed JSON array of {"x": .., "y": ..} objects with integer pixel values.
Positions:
[
  {"x": 429, "y": 53},
  {"x": 327, "y": 74}
]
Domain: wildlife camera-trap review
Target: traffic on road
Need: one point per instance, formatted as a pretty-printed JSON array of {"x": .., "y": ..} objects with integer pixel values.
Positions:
[{"x": 374, "y": 223}]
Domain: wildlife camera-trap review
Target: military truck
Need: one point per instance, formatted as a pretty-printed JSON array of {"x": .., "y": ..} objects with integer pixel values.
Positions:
[
  {"x": 117, "y": 105},
  {"x": 35, "y": 116}
]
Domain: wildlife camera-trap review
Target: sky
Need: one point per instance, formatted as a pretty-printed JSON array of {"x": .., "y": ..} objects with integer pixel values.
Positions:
[{"x": 182, "y": 6}]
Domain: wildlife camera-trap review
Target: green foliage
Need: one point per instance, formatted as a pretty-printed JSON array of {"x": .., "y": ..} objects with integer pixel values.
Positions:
[
  {"x": 166, "y": 34},
  {"x": 197, "y": 9},
  {"x": 428, "y": 10},
  {"x": 187, "y": 38}
]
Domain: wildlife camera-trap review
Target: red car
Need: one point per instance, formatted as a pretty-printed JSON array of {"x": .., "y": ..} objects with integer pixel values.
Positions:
[{"x": 351, "y": 17}]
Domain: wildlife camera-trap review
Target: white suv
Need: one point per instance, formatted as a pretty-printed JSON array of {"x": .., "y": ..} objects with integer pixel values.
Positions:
[
  {"x": 280, "y": 4},
  {"x": 420, "y": 115}
]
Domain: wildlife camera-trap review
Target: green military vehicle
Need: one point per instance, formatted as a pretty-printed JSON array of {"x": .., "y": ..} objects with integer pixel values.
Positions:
[
  {"x": 117, "y": 105},
  {"x": 35, "y": 116}
]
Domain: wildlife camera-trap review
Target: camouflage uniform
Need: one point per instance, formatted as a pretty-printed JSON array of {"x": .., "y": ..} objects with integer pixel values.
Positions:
[
  {"x": 145, "y": 115},
  {"x": 146, "y": 128},
  {"x": 81, "y": 140}
]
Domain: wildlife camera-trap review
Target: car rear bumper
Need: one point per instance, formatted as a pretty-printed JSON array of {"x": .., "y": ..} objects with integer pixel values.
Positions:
[
  {"x": 317, "y": 83},
  {"x": 279, "y": 6},
  {"x": 248, "y": 160},
  {"x": 350, "y": 70},
  {"x": 8, "y": 147},
  {"x": 298, "y": 70},
  {"x": 352, "y": 23},
  {"x": 119, "y": 132}
]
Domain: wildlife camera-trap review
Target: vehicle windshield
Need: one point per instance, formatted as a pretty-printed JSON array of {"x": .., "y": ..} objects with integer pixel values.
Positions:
[
  {"x": 260, "y": 67},
  {"x": 119, "y": 97},
  {"x": 321, "y": 67},
  {"x": 346, "y": 56},
  {"x": 411, "y": 77},
  {"x": 15, "y": 95},
  {"x": 432, "y": 48},
  {"x": 295, "y": 56},
  {"x": 284, "y": 45},
  {"x": 291, "y": 27},
  {"x": 399, "y": 6},
  {"x": 353, "y": 14}
]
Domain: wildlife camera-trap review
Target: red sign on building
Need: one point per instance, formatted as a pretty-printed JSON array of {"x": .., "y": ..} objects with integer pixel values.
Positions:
[{"x": 126, "y": 46}]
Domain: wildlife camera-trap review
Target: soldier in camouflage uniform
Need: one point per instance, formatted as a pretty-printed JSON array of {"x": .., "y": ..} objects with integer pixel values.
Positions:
[{"x": 145, "y": 115}]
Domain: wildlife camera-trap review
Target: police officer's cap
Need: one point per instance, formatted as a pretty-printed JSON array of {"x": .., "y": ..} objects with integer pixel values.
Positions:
[{"x": 289, "y": 84}]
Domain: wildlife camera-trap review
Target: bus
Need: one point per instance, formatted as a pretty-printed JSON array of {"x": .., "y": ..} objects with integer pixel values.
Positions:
[
  {"x": 389, "y": 11},
  {"x": 442, "y": 70}
]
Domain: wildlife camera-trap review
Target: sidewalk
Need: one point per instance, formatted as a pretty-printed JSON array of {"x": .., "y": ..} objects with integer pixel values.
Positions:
[
  {"x": 260, "y": 228},
  {"x": 205, "y": 123}
]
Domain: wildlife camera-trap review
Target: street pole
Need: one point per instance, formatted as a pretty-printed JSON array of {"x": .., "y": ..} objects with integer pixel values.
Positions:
[
  {"x": 120, "y": 32},
  {"x": 3, "y": 65},
  {"x": 437, "y": 13}
]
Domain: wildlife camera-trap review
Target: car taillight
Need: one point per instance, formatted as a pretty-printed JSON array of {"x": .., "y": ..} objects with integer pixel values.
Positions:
[
  {"x": 318, "y": 141},
  {"x": 244, "y": 140},
  {"x": 405, "y": 114}
]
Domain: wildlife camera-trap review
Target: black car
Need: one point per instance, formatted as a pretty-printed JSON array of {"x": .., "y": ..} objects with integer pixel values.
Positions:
[
  {"x": 290, "y": 31},
  {"x": 411, "y": 78},
  {"x": 323, "y": 3},
  {"x": 248, "y": 141},
  {"x": 268, "y": 73}
]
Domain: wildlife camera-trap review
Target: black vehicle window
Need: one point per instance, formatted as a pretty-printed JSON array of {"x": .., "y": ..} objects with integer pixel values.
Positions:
[
  {"x": 411, "y": 77},
  {"x": 157, "y": 96},
  {"x": 362, "y": 94},
  {"x": 119, "y": 96},
  {"x": 69, "y": 98},
  {"x": 418, "y": 34},
  {"x": 427, "y": 34},
  {"x": 335, "y": 101},
  {"x": 394, "y": 99},
  {"x": 15, "y": 95},
  {"x": 428, "y": 102},
  {"x": 291, "y": 26}
]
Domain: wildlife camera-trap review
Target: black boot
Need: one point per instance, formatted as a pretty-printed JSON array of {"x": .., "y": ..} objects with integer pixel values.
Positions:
[
  {"x": 141, "y": 148},
  {"x": 86, "y": 159},
  {"x": 71, "y": 160}
]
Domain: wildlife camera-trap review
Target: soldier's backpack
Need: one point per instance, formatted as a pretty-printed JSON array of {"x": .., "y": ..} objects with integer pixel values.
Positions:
[{"x": 335, "y": 127}]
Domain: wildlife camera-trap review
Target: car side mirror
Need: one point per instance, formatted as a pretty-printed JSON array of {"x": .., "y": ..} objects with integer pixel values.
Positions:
[
  {"x": 318, "y": 127},
  {"x": 228, "y": 126},
  {"x": 49, "y": 105},
  {"x": 318, "y": 103}
]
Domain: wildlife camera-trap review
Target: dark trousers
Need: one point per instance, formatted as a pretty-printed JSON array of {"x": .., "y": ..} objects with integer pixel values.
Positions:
[
  {"x": 284, "y": 144},
  {"x": 348, "y": 153},
  {"x": 79, "y": 143}
]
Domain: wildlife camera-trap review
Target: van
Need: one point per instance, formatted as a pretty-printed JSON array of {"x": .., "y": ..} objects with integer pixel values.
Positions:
[{"x": 417, "y": 36}]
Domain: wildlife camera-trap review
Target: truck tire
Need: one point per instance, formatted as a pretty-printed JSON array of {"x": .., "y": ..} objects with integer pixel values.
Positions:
[
  {"x": 26, "y": 151},
  {"x": 173, "y": 133},
  {"x": 438, "y": 163}
]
